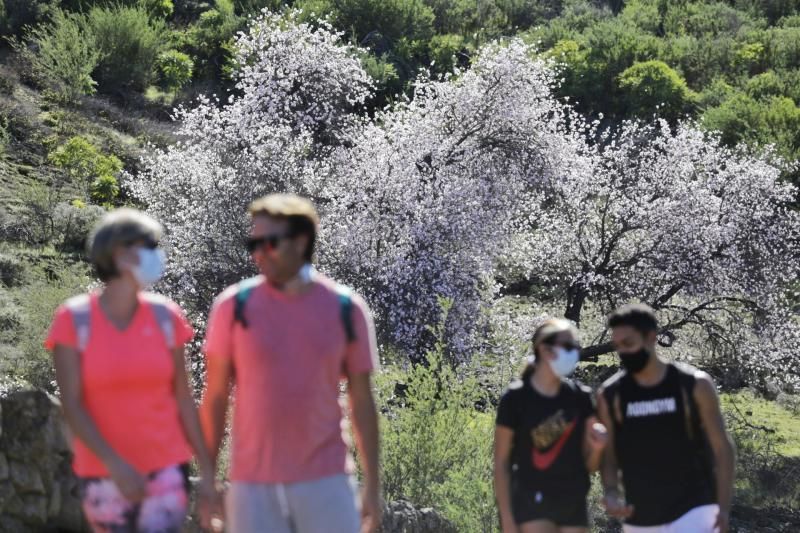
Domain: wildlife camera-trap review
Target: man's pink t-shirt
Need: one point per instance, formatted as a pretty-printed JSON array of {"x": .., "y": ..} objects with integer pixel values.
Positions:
[
  {"x": 127, "y": 387},
  {"x": 288, "y": 364}
]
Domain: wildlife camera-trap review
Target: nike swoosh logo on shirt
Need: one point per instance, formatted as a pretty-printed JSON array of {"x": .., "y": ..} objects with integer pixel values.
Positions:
[{"x": 543, "y": 460}]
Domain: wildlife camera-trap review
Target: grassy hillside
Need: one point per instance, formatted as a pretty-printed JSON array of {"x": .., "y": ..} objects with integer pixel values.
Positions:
[
  {"x": 46, "y": 206},
  {"x": 67, "y": 129}
]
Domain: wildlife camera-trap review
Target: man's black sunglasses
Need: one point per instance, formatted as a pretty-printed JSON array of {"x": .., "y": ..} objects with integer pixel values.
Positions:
[{"x": 271, "y": 241}]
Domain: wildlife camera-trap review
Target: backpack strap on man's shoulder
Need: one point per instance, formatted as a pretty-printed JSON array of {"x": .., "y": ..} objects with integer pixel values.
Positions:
[
  {"x": 163, "y": 315},
  {"x": 687, "y": 377},
  {"x": 345, "y": 296},
  {"x": 613, "y": 396},
  {"x": 80, "y": 309},
  {"x": 243, "y": 290}
]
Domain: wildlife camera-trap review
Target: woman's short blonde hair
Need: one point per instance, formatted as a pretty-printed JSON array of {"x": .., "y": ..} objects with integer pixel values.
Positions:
[{"x": 120, "y": 227}]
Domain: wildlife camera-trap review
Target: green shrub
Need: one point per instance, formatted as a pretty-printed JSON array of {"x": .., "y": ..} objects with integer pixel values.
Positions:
[
  {"x": 611, "y": 47},
  {"x": 699, "y": 59},
  {"x": 251, "y": 7},
  {"x": 436, "y": 447},
  {"x": 392, "y": 19},
  {"x": 383, "y": 72},
  {"x": 104, "y": 190},
  {"x": 451, "y": 17},
  {"x": 522, "y": 14},
  {"x": 12, "y": 270},
  {"x": 162, "y": 9},
  {"x": 61, "y": 54},
  {"x": 792, "y": 21},
  {"x": 744, "y": 119},
  {"x": 10, "y": 317},
  {"x": 773, "y": 10},
  {"x": 751, "y": 57},
  {"x": 7, "y": 85},
  {"x": 72, "y": 223},
  {"x": 174, "y": 69},
  {"x": 766, "y": 437},
  {"x": 715, "y": 93},
  {"x": 652, "y": 87},
  {"x": 570, "y": 59},
  {"x": 764, "y": 85},
  {"x": 444, "y": 51},
  {"x": 16, "y": 14},
  {"x": 786, "y": 48},
  {"x": 129, "y": 42},
  {"x": 791, "y": 83},
  {"x": 735, "y": 118},
  {"x": 704, "y": 19},
  {"x": 56, "y": 279},
  {"x": 87, "y": 167},
  {"x": 209, "y": 40},
  {"x": 5, "y": 135}
]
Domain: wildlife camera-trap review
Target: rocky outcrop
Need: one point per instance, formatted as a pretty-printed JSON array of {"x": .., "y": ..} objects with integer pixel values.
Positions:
[
  {"x": 37, "y": 486},
  {"x": 402, "y": 517}
]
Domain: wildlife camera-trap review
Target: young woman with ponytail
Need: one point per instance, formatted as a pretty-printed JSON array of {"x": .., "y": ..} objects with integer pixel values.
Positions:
[{"x": 547, "y": 439}]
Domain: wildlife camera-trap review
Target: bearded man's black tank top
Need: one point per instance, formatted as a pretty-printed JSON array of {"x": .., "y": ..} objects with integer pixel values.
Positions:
[{"x": 660, "y": 445}]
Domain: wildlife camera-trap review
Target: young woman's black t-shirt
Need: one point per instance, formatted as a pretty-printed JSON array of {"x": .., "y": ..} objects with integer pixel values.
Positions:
[{"x": 549, "y": 479}]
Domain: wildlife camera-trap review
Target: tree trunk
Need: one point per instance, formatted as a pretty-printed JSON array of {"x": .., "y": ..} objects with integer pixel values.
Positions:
[
  {"x": 591, "y": 353},
  {"x": 576, "y": 296}
]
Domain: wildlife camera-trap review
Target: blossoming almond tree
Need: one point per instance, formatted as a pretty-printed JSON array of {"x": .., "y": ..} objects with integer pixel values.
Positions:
[
  {"x": 422, "y": 200},
  {"x": 702, "y": 233},
  {"x": 298, "y": 88},
  {"x": 478, "y": 181}
]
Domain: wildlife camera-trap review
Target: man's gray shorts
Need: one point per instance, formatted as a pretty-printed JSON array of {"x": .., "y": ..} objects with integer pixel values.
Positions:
[{"x": 326, "y": 505}]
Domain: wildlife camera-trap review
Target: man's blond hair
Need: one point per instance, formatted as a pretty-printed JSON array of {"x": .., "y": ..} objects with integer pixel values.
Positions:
[{"x": 298, "y": 211}]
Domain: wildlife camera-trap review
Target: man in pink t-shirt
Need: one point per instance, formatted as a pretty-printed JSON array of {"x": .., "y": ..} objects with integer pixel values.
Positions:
[{"x": 287, "y": 339}]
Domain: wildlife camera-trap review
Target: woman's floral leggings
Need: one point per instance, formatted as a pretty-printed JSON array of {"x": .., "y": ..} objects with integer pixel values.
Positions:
[{"x": 163, "y": 509}]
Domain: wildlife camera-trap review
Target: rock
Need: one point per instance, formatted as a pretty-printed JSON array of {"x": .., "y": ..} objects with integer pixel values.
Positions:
[
  {"x": 771, "y": 390},
  {"x": 26, "y": 478},
  {"x": 402, "y": 517},
  {"x": 54, "y": 505},
  {"x": 34, "y": 510},
  {"x": 3, "y": 467},
  {"x": 38, "y": 489},
  {"x": 27, "y": 417},
  {"x": 13, "y": 504},
  {"x": 11, "y": 525},
  {"x": 6, "y": 493},
  {"x": 71, "y": 516}
]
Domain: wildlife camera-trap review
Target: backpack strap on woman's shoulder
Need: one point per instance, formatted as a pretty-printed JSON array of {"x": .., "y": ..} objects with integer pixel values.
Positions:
[
  {"x": 80, "y": 310},
  {"x": 158, "y": 304}
]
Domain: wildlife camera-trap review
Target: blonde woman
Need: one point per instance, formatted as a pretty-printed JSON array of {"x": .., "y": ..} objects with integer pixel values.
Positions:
[{"x": 119, "y": 358}]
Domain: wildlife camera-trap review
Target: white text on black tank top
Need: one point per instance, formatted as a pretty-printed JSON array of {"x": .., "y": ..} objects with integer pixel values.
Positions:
[{"x": 651, "y": 407}]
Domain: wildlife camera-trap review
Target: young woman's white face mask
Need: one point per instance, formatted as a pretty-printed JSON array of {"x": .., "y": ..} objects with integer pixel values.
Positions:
[{"x": 565, "y": 362}]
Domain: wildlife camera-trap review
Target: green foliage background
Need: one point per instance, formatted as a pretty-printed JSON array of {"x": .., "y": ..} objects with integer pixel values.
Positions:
[{"x": 734, "y": 65}]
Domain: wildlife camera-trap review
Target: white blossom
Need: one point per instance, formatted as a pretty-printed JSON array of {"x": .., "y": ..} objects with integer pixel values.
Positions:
[{"x": 481, "y": 184}]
